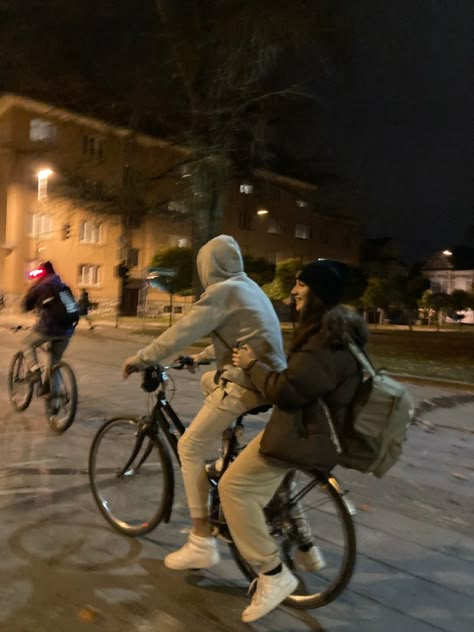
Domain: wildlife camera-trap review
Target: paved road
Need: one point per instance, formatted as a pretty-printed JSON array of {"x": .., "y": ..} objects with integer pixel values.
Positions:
[{"x": 62, "y": 568}]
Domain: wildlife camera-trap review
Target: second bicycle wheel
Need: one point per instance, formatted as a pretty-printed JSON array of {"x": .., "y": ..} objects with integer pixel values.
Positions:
[
  {"x": 131, "y": 490},
  {"x": 20, "y": 388},
  {"x": 307, "y": 511},
  {"x": 61, "y": 406}
]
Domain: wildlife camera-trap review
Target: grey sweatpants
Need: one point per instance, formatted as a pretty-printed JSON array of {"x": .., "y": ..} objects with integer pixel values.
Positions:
[
  {"x": 225, "y": 401},
  {"x": 244, "y": 490}
]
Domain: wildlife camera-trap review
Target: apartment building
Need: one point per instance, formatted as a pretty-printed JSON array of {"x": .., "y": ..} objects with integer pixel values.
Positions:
[{"x": 88, "y": 195}]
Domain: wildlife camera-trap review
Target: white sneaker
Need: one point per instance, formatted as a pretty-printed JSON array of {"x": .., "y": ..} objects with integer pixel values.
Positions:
[
  {"x": 271, "y": 591},
  {"x": 198, "y": 552},
  {"x": 310, "y": 560}
]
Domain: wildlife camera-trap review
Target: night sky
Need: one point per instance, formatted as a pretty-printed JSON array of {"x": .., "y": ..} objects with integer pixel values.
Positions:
[
  {"x": 398, "y": 122},
  {"x": 404, "y": 125}
]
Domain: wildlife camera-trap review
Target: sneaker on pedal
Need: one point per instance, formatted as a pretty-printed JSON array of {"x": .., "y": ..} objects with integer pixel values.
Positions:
[
  {"x": 310, "y": 560},
  {"x": 270, "y": 592},
  {"x": 198, "y": 552},
  {"x": 214, "y": 469}
]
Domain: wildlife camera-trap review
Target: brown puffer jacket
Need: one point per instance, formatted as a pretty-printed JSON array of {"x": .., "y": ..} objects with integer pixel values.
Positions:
[{"x": 322, "y": 368}]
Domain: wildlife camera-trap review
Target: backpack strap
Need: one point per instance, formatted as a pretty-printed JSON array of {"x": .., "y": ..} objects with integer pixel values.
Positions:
[
  {"x": 362, "y": 358},
  {"x": 332, "y": 430},
  {"x": 216, "y": 333}
]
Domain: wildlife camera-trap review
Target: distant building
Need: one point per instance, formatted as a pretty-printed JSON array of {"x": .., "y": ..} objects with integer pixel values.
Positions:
[
  {"x": 89, "y": 195},
  {"x": 452, "y": 269}
]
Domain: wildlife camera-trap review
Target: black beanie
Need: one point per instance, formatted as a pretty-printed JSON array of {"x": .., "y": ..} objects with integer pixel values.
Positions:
[
  {"x": 333, "y": 281},
  {"x": 47, "y": 267}
]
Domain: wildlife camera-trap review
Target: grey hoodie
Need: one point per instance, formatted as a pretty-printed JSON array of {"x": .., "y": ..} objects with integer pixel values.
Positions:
[{"x": 232, "y": 309}]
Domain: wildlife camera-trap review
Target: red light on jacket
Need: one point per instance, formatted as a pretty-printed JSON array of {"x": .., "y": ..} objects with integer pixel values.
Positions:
[{"x": 37, "y": 273}]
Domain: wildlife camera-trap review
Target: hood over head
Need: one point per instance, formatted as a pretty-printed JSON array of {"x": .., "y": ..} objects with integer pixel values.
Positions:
[{"x": 219, "y": 259}]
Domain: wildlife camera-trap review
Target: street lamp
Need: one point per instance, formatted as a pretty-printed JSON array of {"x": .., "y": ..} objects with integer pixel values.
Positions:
[{"x": 447, "y": 253}]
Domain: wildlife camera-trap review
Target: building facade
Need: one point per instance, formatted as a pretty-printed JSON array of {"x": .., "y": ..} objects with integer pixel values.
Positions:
[
  {"x": 452, "y": 269},
  {"x": 88, "y": 196}
]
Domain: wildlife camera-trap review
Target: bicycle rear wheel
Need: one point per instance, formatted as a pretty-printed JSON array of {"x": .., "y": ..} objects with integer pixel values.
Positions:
[
  {"x": 61, "y": 407},
  {"x": 132, "y": 496},
  {"x": 20, "y": 388},
  {"x": 306, "y": 511}
]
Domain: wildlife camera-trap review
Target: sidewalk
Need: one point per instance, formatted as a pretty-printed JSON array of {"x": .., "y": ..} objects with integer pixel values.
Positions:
[{"x": 137, "y": 329}]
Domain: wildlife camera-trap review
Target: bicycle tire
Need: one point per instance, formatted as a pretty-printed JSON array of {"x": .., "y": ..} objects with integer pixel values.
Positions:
[
  {"x": 132, "y": 509},
  {"x": 17, "y": 380},
  {"x": 328, "y": 514},
  {"x": 61, "y": 407}
]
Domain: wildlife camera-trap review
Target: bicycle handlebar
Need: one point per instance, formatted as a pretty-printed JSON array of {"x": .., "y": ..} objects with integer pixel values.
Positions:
[{"x": 153, "y": 375}]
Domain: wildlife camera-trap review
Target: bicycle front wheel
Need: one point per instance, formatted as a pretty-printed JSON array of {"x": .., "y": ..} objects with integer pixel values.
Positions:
[
  {"x": 306, "y": 511},
  {"x": 20, "y": 388},
  {"x": 61, "y": 406},
  {"x": 131, "y": 476}
]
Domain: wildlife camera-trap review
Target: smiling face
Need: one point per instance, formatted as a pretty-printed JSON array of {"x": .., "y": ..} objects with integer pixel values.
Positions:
[{"x": 300, "y": 293}]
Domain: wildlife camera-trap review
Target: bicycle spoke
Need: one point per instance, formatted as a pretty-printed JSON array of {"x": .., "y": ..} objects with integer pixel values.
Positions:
[{"x": 129, "y": 475}]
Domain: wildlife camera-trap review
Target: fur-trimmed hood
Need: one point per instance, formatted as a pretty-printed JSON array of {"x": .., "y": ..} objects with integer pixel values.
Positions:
[{"x": 341, "y": 323}]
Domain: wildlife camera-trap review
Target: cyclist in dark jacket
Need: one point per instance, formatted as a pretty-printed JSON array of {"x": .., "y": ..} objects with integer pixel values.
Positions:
[{"x": 47, "y": 328}]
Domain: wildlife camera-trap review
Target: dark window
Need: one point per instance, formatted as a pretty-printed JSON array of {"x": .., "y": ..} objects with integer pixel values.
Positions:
[
  {"x": 245, "y": 220},
  {"x": 274, "y": 226}
]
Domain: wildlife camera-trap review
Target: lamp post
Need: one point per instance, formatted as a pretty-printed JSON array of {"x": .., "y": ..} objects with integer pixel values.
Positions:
[
  {"x": 42, "y": 175},
  {"x": 447, "y": 253}
]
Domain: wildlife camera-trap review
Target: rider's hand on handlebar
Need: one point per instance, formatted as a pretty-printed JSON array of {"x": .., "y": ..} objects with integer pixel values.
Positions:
[
  {"x": 130, "y": 366},
  {"x": 188, "y": 362}
]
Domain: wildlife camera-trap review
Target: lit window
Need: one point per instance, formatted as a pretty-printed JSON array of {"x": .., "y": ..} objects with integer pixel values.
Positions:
[
  {"x": 132, "y": 257},
  {"x": 90, "y": 232},
  {"x": 89, "y": 274},
  {"x": 302, "y": 231},
  {"x": 42, "y": 131},
  {"x": 40, "y": 225},
  {"x": 274, "y": 226},
  {"x": 246, "y": 189}
]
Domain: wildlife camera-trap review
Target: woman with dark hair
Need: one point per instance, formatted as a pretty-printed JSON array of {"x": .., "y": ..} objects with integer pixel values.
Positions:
[{"x": 320, "y": 366}]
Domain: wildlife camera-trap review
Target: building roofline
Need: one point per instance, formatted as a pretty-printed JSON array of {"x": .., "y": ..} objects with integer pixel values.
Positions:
[
  {"x": 9, "y": 100},
  {"x": 265, "y": 174}
]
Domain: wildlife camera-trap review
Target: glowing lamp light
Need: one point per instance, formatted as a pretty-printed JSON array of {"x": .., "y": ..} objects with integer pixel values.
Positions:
[
  {"x": 44, "y": 173},
  {"x": 262, "y": 211},
  {"x": 36, "y": 273},
  {"x": 447, "y": 253}
]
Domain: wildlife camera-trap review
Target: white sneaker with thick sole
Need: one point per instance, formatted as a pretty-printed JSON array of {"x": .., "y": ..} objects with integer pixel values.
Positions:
[
  {"x": 196, "y": 553},
  {"x": 270, "y": 592},
  {"x": 310, "y": 560}
]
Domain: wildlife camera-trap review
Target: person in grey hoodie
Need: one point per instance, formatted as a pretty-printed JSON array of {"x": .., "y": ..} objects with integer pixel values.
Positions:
[{"x": 233, "y": 310}]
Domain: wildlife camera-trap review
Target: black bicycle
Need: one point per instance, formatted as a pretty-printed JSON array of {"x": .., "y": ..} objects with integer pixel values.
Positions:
[
  {"x": 61, "y": 401},
  {"x": 132, "y": 479}
]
